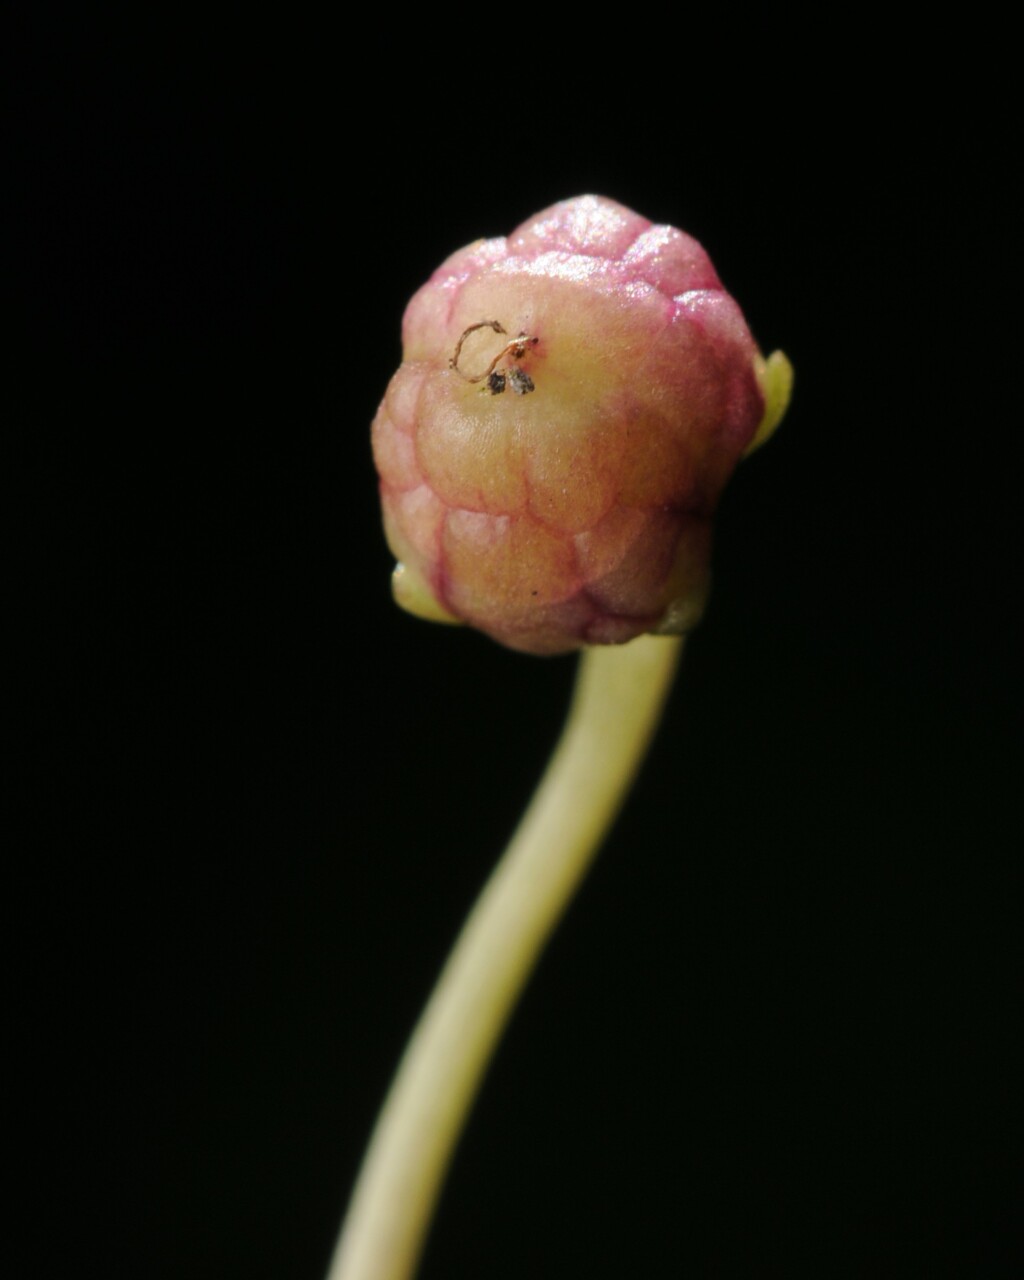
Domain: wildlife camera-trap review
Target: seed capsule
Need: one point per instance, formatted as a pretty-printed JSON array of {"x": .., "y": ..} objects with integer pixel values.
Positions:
[{"x": 578, "y": 509}]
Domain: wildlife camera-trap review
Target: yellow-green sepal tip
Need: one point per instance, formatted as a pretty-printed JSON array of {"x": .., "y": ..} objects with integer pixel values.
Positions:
[
  {"x": 775, "y": 376},
  {"x": 412, "y": 593}
]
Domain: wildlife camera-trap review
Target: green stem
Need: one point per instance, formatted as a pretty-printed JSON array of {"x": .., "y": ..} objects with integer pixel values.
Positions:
[{"x": 620, "y": 693}]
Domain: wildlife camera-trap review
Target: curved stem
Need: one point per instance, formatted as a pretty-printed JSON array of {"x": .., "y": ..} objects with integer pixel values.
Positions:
[{"x": 620, "y": 692}]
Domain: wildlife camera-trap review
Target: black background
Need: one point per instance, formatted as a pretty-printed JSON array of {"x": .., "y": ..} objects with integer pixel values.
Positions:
[{"x": 776, "y": 1028}]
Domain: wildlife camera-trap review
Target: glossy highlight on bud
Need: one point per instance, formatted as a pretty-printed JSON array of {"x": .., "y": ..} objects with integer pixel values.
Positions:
[{"x": 571, "y": 402}]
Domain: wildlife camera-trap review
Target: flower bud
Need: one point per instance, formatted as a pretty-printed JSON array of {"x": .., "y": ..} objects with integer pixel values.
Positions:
[{"x": 571, "y": 402}]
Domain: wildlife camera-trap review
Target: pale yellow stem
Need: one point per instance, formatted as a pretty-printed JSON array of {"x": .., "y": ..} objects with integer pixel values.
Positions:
[{"x": 620, "y": 693}]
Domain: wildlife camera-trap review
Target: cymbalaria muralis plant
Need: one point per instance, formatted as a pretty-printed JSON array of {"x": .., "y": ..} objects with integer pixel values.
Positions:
[{"x": 572, "y": 400}]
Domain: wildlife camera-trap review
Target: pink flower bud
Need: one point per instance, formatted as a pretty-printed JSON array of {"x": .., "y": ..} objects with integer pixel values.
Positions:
[{"x": 571, "y": 402}]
